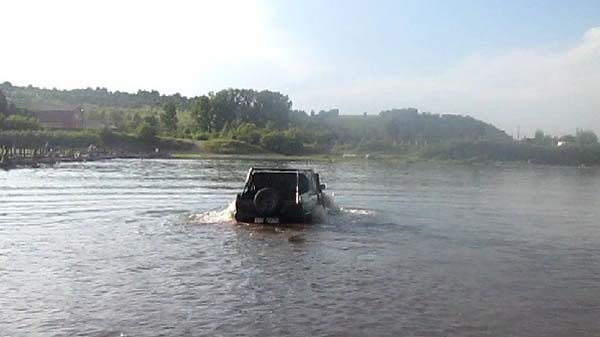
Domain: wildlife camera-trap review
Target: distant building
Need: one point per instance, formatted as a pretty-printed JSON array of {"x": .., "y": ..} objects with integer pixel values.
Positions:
[{"x": 59, "y": 119}]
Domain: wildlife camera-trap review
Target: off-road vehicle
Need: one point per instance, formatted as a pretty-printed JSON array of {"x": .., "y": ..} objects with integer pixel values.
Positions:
[{"x": 276, "y": 195}]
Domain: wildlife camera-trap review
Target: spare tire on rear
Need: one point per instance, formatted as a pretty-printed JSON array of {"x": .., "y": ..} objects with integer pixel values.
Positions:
[{"x": 267, "y": 201}]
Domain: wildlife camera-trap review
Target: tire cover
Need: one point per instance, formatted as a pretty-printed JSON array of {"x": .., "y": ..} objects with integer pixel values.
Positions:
[{"x": 267, "y": 201}]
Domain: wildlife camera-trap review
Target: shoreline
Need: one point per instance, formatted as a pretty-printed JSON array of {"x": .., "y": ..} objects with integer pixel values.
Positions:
[{"x": 37, "y": 162}]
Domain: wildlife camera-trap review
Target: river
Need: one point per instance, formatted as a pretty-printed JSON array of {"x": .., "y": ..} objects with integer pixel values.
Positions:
[{"x": 148, "y": 248}]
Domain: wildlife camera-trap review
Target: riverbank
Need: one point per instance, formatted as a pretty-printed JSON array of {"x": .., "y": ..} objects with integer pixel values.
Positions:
[
  {"x": 26, "y": 147},
  {"x": 36, "y": 162},
  {"x": 20, "y": 163},
  {"x": 233, "y": 149},
  {"x": 390, "y": 159},
  {"x": 476, "y": 153}
]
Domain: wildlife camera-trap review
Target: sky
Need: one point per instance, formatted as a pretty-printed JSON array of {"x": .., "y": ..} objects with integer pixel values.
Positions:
[{"x": 516, "y": 64}]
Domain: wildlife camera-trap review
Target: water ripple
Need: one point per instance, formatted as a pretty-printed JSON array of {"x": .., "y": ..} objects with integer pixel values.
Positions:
[{"x": 147, "y": 248}]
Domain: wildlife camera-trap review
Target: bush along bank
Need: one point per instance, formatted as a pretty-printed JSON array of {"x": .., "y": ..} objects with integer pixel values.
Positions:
[
  {"x": 567, "y": 154},
  {"x": 44, "y": 143}
]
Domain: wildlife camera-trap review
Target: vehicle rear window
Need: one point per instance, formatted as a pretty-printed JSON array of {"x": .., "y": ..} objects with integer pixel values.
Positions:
[{"x": 283, "y": 182}]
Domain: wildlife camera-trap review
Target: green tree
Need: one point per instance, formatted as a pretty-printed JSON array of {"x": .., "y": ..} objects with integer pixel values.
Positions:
[
  {"x": 19, "y": 122},
  {"x": 107, "y": 137},
  {"x": 3, "y": 103},
  {"x": 116, "y": 118},
  {"x": 148, "y": 130},
  {"x": 248, "y": 132},
  {"x": 147, "y": 133},
  {"x": 135, "y": 122},
  {"x": 201, "y": 112},
  {"x": 152, "y": 121},
  {"x": 222, "y": 109},
  {"x": 168, "y": 117},
  {"x": 541, "y": 138},
  {"x": 273, "y": 106},
  {"x": 283, "y": 143},
  {"x": 568, "y": 139},
  {"x": 586, "y": 138}
]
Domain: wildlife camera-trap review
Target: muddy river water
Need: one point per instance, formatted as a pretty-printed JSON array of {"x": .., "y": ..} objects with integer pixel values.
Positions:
[{"x": 148, "y": 248}]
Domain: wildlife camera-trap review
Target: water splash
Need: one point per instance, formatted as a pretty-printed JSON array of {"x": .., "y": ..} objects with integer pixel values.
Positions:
[
  {"x": 358, "y": 211},
  {"x": 335, "y": 214},
  {"x": 332, "y": 207},
  {"x": 353, "y": 216},
  {"x": 214, "y": 216}
]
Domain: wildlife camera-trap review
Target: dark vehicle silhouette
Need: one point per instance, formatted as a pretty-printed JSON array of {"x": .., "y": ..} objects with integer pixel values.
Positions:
[{"x": 274, "y": 195}]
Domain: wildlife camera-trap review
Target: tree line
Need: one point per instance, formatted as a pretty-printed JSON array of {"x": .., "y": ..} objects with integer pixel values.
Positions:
[
  {"x": 266, "y": 119},
  {"x": 40, "y": 97}
]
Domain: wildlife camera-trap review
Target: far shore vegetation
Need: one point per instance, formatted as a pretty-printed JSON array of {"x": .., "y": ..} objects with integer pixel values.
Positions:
[{"x": 251, "y": 122}]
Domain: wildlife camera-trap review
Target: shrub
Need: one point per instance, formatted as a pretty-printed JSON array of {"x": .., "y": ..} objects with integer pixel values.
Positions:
[
  {"x": 230, "y": 146},
  {"x": 147, "y": 133},
  {"x": 248, "y": 132},
  {"x": 35, "y": 139},
  {"x": 19, "y": 122},
  {"x": 283, "y": 143},
  {"x": 201, "y": 136}
]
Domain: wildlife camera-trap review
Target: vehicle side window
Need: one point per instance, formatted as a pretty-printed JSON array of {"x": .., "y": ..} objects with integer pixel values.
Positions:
[
  {"x": 303, "y": 184},
  {"x": 312, "y": 183}
]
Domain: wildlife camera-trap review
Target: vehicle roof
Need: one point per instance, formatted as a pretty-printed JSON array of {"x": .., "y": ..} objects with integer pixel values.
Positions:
[{"x": 279, "y": 170}]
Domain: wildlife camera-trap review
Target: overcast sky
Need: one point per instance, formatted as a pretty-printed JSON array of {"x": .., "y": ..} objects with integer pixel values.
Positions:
[{"x": 530, "y": 63}]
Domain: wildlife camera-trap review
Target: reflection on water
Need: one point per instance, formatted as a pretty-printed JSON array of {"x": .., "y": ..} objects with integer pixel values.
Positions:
[{"x": 147, "y": 248}]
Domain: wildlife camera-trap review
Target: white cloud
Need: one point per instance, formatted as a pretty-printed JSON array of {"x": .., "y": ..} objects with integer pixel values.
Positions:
[
  {"x": 126, "y": 45},
  {"x": 196, "y": 46},
  {"x": 556, "y": 90}
]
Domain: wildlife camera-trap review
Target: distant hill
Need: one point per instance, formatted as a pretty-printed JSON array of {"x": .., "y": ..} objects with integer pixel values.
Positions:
[
  {"x": 411, "y": 127},
  {"x": 35, "y": 98},
  {"x": 230, "y": 108}
]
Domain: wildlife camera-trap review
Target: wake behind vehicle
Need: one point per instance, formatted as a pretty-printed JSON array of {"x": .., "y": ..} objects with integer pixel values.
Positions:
[{"x": 275, "y": 195}]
